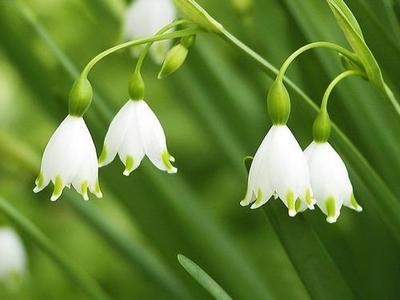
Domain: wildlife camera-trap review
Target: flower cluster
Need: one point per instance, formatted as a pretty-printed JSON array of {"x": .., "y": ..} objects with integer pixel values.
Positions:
[
  {"x": 300, "y": 179},
  {"x": 70, "y": 157}
]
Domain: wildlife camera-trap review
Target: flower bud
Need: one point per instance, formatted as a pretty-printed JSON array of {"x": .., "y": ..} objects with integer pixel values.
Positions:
[
  {"x": 278, "y": 102},
  {"x": 174, "y": 60},
  {"x": 80, "y": 97},
  {"x": 322, "y": 127},
  {"x": 136, "y": 87}
]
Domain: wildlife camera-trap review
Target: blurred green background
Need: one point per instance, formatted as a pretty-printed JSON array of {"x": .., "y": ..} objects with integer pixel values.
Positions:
[{"x": 213, "y": 111}]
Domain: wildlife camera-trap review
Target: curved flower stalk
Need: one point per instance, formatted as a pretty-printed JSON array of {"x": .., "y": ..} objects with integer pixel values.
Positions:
[
  {"x": 279, "y": 167},
  {"x": 135, "y": 132},
  {"x": 12, "y": 255},
  {"x": 144, "y": 18},
  {"x": 70, "y": 158},
  {"x": 329, "y": 177}
]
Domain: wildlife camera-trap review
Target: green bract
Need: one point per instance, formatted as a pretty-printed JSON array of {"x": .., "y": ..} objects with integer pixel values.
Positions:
[
  {"x": 80, "y": 97},
  {"x": 278, "y": 102},
  {"x": 354, "y": 36},
  {"x": 198, "y": 15}
]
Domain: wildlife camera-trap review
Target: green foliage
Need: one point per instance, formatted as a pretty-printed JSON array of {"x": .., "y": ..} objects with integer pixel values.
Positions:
[{"x": 128, "y": 241}]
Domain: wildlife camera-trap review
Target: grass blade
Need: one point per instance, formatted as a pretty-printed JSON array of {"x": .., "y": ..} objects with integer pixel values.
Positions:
[{"x": 203, "y": 278}]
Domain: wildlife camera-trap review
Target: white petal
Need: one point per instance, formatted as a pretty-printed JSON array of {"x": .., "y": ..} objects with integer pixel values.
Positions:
[
  {"x": 116, "y": 133},
  {"x": 70, "y": 155},
  {"x": 131, "y": 151},
  {"x": 12, "y": 253},
  {"x": 285, "y": 166},
  {"x": 329, "y": 177},
  {"x": 153, "y": 138}
]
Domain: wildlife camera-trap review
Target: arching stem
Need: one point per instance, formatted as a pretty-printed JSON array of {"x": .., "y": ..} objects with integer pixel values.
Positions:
[
  {"x": 155, "y": 38},
  {"x": 347, "y": 53},
  {"x": 332, "y": 85}
]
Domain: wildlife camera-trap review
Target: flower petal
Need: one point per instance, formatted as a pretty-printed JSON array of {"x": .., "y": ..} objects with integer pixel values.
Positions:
[
  {"x": 116, "y": 133},
  {"x": 153, "y": 138}
]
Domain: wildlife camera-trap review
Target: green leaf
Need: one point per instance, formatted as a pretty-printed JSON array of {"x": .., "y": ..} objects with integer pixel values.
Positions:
[
  {"x": 353, "y": 33},
  {"x": 203, "y": 278}
]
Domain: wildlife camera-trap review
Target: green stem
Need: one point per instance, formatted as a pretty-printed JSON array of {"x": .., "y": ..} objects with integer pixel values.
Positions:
[
  {"x": 155, "y": 38},
  {"x": 148, "y": 45},
  {"x": 332, "y": 85},
  {"x": 314, "y": 45},
  {"x": 75, "y": 273}
]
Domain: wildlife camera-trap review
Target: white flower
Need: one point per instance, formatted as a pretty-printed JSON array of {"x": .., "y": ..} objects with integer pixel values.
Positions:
[
  {"x": 12, "y": 254},
  {"x": 329, "y": 180},
  {"x": 134, "y": 132},
  {"x": 70, "y": 158},
  {"x": 145, "y": 18},
  {"x": 279, "y": 169}
]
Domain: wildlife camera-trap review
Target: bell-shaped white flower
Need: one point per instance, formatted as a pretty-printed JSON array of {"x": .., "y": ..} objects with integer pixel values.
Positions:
[
  {"x": 70, "y": 158},
  {"x": 279, "y": 169},
  {"x": 12, "y": 254},
  {"x": 134, "y": 132},
  {"x": 329, "y": 180},
  {"x": 145, "y": 18}
]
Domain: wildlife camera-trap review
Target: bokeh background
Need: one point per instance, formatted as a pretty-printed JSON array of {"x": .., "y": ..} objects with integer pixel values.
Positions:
[{"x": 213, "y": 111}]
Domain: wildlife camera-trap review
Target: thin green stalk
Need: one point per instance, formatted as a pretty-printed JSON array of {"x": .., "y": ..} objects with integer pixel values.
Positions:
[
  {"x": 315, "y": 45},
  {"x": 155, "y": 38},
  {"x": 145, "y": 51},
  {"x": 332, "y": 85},
  {"x": 72, "y": 270}
]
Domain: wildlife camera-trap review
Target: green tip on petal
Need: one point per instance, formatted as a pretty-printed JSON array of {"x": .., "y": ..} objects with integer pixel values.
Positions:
[
  {"x": 298, "y": 205},
  {"x": 291, "y": 203},
  {"x": 167, "y": 159},
  {"x": 354, "y": 204},
  {"x": 39, "y": 183},
  {"x": 97, "y": 190},
  {"x": 129, "y": 163},
  {"x": 103, "y": 156},
  {"x": 83, "y": 190},
  {"x": 309, "y": 199},
  {"x": 58, "y": 188},
  {"x": 259, "y": 200},
  {"x": 331, "y": 210}
]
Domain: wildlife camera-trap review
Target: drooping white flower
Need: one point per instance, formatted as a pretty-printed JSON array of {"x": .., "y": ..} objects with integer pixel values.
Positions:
[
  {"x": 145, "y": 18},
  {"x": 134, "y": 132},
  {"x": 279, "y": 169},
  {"x": 70, "y": 158},
  {"x": 329, "y": 180},
  {"x": 12, "y": 254}
]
